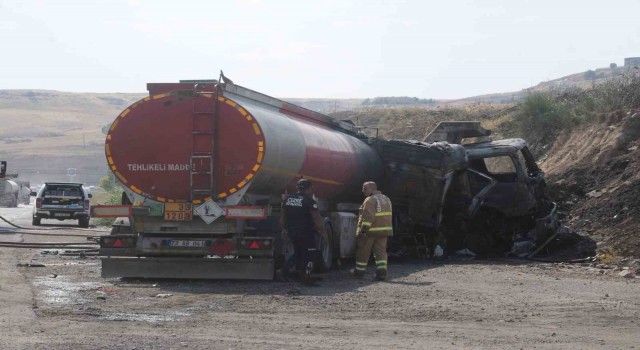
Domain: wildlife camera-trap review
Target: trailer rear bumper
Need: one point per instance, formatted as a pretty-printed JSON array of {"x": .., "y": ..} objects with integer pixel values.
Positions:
[{"x": 196, "y": 268}]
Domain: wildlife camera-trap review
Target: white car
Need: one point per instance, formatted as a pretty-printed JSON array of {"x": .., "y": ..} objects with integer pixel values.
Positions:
[{"x": 62, "y": 201}]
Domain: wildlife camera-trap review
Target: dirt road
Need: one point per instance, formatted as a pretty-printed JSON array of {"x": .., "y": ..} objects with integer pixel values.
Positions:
[{"x": 504, "y": 304}]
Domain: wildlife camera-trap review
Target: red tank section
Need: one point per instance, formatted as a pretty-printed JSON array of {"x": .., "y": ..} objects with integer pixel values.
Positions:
[
  {"x": 191, "y": 141},
  {"x": 162, "y": 147}
]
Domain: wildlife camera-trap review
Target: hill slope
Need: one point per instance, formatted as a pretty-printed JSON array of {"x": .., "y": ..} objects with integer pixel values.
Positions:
[
  {"x": 45, "y": 132},
  {"x": 594, "y": 173}
]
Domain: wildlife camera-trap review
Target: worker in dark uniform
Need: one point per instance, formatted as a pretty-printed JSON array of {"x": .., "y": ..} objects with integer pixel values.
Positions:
[
  {"x": 301, "y": 222},
  {"x": 373, "y": 229}
]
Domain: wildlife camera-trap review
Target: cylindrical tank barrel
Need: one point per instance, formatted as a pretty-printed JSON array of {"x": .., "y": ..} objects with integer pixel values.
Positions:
[
  {"x": 8, "y": 187},
  {"x": 188, "y": 146}
]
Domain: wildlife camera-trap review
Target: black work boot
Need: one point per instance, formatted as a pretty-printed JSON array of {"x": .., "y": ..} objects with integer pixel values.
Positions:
[
  {"x": 356, "y": 273},
  {"x": 282, "y": 275},
  {"x": 294, "y": 275},
  {"x": 381, "y": 275}
]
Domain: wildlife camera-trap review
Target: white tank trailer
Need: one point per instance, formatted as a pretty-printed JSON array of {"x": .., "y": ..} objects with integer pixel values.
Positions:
[{"x": 12, "y": 191}]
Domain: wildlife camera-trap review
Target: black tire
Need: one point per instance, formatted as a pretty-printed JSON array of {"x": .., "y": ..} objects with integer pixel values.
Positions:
[
  {"x": 83, "y": 222},
  {"x": 35, "y": 221},
  {"x": 324, "y": 259}
]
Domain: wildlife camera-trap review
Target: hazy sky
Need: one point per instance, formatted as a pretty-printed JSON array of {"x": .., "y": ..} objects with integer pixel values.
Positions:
[{"x": 305, "y": 48}]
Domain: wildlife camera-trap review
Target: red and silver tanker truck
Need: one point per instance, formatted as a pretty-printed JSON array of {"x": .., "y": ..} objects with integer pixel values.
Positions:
[{"x": 204, "y": 166}]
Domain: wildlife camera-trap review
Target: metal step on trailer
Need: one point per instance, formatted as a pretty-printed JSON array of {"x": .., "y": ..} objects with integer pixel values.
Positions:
[{"x": 188, "y": 268}]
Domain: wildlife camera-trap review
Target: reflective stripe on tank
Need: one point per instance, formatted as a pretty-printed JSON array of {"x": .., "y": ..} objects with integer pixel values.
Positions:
[{"x": 384, "y": 213}]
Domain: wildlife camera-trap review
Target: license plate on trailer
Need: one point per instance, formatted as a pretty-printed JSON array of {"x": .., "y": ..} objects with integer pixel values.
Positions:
[
  {"x": 186, "y": 244},
  {"x": 62, "y": 214}
]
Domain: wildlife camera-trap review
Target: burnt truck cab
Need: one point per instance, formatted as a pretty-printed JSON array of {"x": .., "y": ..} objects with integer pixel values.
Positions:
[
  {"x": 419, "y": 179},
  {"x": 515, "y": 215},
  {"x": 521, "y": 214},
  {"x": 519, "y": 180}
]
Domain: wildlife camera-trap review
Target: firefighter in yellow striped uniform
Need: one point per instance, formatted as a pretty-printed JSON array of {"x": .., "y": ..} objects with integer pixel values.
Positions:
[{"x": 374, "y": 227}]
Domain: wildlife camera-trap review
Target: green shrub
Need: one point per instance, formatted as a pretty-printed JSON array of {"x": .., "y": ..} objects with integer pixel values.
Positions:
[
  {"x": 108, "y": 182},
  {"x": 618, "y": 93},
  {"x": 541, "y": 117},
  {"x": 112, "y": 195}
]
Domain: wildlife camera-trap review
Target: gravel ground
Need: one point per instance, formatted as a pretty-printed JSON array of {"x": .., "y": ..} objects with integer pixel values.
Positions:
[{"x": 453, "y": 304}]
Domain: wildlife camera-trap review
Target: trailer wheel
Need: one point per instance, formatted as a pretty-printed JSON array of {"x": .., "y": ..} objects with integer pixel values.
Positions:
[{"x": 324, "y": 259}]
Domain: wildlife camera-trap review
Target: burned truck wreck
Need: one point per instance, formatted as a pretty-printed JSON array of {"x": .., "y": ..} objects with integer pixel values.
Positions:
[
  {"x": 484, "y": 197},
  {"x": 210, "y": 207}
]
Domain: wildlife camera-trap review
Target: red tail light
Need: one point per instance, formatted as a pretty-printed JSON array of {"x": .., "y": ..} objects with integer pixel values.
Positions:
[
  {"x": 87, "y": 203},
  {"x": 38, "y": 202},
  {"x": 255, "y": 243},
  {"x": 117, "y": 242}
]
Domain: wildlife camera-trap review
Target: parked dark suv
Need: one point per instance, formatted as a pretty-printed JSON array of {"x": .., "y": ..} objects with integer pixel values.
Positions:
[{"x": 62, "y": 201}]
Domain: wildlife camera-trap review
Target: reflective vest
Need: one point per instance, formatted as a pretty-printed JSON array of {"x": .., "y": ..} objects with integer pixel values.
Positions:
[{"x": 375, "y": 216}]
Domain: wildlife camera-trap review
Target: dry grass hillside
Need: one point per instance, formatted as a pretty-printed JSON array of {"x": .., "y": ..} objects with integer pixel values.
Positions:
[
  {"x": 416, "y": 122},
  {"x": 577, "y": 81},
  {"x": 56, "y": 123},
  {"x": 45, "y": 132}
]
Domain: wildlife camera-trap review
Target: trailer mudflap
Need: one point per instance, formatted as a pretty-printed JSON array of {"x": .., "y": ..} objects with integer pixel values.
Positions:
[{"x": 196, "y": 268}]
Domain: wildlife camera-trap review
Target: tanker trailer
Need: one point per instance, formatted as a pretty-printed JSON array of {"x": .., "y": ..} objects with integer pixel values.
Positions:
[
  {"x": 205, "y": 165},
  {"x": 13, "y": 191},
  {"x": 24, "y": 194},
  {"x": 9, "y": 193}
]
